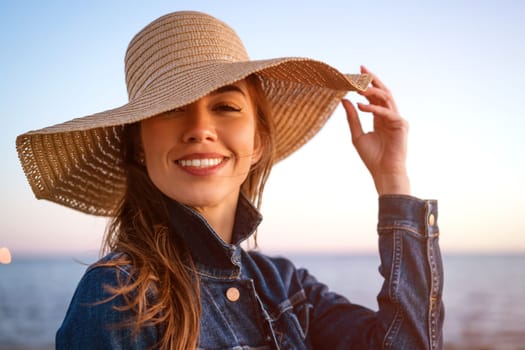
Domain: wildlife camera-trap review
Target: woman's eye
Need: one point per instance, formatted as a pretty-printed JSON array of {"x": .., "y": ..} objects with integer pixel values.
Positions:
[
  {"x": 173, "y": 113},
  {"x": 227, "y": 108}
]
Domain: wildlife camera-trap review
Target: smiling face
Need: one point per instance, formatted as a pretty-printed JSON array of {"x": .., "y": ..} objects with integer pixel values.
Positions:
[{"x": 200, "y": 154}]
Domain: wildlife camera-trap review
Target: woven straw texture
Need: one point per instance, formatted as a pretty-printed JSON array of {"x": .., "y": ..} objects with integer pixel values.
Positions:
[{"x": 172, "y": 62}]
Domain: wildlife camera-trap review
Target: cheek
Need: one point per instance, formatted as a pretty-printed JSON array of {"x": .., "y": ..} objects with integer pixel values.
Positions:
[
  {"x": 155, "y": 145},
  {"x": 244, "y": 138},
  {"x": 153, "y": 138}
]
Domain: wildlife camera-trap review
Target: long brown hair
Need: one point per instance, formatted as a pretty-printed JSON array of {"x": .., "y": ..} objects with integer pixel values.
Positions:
[{"x": 161, "y": 265}]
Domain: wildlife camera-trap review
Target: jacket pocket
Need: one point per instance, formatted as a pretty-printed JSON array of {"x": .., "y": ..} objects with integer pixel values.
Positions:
[{"x": 295, "y": 312}]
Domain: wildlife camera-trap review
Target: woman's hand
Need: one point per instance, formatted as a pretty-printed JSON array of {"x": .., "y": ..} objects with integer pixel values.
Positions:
[{"x": 384, "y": 149}]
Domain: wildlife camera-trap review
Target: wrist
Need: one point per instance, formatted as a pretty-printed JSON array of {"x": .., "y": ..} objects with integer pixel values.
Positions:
[{"x": 392, "y": 184}]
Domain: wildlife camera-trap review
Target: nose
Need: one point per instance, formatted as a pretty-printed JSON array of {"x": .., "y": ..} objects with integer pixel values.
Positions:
[{"x": 199, "y": 127}]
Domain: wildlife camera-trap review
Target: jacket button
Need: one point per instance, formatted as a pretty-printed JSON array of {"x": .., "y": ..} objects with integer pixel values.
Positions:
[
  {"x": 431, "y": 219},
  {"x": 233, "y": 294}
]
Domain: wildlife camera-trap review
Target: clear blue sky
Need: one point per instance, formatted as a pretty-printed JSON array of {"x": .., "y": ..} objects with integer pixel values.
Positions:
[{"x": 455, "y": 67}]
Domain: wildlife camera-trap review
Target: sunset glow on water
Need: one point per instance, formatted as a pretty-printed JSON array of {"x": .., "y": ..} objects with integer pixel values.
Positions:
[{"x": 5, "y": 256}]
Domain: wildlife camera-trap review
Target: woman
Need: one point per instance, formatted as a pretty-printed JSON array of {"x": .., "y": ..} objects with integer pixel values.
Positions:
[{"x": 181, "y": 169}]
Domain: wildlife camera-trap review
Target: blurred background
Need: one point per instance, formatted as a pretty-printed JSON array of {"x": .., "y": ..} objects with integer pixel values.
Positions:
[{"x": 456, "y": 71}]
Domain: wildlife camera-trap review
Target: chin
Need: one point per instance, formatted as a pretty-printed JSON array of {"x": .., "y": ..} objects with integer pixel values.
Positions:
[{"x": 202, "y": 199}]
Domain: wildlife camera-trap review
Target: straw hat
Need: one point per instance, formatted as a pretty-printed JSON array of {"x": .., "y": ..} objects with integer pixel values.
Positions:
[{"x": 173, "y": 61}]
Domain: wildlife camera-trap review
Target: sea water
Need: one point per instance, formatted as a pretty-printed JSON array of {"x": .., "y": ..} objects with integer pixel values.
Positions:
[{"x": 484, "y": 296}]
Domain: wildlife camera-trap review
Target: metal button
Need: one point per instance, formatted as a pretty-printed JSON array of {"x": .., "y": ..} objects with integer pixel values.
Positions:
[
  {"x": 431, "y": 219},
  {"x": 233, "y": 294}
]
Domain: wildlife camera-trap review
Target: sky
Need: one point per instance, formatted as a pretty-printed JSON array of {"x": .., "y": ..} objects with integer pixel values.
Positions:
[{"x": 455, "y": 68}]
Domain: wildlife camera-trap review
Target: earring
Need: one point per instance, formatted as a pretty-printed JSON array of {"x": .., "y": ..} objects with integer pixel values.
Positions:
[{"x": 141, "y": 159}]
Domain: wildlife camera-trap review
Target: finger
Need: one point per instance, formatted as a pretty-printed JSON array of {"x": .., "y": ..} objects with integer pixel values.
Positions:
[
  {"x": 356, "y": 130},
  {"x": 379, "y": 96},
  {"x": 376, "y": 82},
  {"x": 380, "y": 111}
]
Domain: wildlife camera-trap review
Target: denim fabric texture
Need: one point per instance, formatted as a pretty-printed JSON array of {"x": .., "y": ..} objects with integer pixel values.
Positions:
[{"x": 252, "y": 301}]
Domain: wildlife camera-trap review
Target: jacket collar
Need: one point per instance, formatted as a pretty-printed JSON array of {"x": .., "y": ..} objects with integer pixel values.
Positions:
[{"x": 212, "y": 256}]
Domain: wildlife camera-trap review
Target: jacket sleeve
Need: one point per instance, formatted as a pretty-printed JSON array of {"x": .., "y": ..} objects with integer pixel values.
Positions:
[
  {"x": 93, "y": 320},
  {"x": 411, "y": 312}
]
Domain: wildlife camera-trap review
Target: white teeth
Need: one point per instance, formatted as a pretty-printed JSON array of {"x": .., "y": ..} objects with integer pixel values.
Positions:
[{"x": 200, "y": 163}]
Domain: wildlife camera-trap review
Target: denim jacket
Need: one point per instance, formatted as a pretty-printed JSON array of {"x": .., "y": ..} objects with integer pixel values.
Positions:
[{"x": 252, "y": 301}]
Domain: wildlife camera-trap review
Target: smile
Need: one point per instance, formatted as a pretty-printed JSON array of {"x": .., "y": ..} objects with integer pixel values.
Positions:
[{"x": 200, "y": 163}]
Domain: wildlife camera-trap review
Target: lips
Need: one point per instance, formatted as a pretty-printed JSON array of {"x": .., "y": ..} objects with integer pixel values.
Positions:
[{"x": 202, "y": 163}]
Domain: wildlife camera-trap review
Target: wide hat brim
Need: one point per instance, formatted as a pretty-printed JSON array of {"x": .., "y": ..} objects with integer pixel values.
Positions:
[{"x": 78, "y": 163}]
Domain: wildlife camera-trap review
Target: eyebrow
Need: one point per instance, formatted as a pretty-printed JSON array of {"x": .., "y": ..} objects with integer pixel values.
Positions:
[{"x": 227, "y": 88}]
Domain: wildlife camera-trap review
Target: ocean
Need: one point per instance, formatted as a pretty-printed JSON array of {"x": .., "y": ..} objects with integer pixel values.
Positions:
[{"x": 484, "y": 296}]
